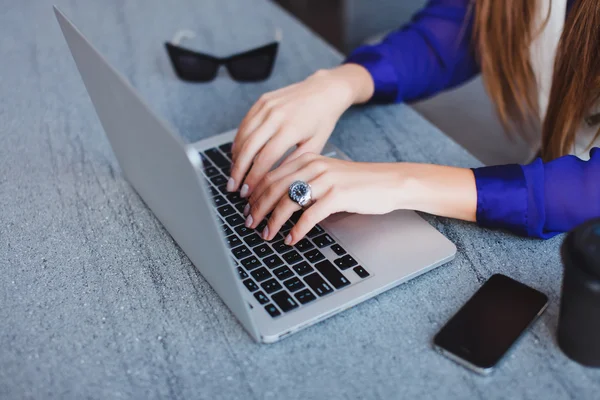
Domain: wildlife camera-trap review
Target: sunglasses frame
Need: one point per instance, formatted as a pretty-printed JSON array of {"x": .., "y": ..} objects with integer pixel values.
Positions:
[{"x": 174, "y": 50}]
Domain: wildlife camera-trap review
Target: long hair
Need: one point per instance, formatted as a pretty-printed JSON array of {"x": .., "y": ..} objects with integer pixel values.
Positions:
[{"x": 502, "y": 34}]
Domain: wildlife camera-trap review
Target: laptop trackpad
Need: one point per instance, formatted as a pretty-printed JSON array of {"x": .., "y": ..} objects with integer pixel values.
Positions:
[{"x": 400, "y": 240}]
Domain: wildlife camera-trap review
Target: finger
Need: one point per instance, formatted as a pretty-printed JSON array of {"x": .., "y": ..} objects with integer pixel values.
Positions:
[
  {"x": 316, "y": 213},
  {"x": 249, "y": 124},
  {"x": 279, "y": 173},
  {"x": 277, "y": 191},
  {"x": 250, "y": 149},
  {"x": 273, "y": 150},
  {"x": 281, "y": 213}
]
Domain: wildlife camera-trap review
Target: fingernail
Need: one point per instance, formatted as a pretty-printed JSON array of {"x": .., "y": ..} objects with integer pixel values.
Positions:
[
  {"x": 230, "y": 185},
  {"x": 247, "y": 210},
  {"x": 249, "y": 221},
  {"x": 288, "y": 239},
  {"x": 244, "y": 190},
  {"x": 266, "y": 233}
]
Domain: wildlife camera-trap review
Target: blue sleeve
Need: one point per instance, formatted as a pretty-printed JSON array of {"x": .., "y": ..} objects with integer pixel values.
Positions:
[
  {"x": 539, "y": 199},
  {"x": 430, "y": 54}
]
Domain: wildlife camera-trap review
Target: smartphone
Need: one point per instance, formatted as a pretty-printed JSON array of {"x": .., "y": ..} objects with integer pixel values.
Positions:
[{"x": 487, "y": 326}]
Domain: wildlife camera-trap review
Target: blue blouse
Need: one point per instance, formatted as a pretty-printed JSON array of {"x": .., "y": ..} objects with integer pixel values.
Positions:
[{"x": 431, "y": 54}]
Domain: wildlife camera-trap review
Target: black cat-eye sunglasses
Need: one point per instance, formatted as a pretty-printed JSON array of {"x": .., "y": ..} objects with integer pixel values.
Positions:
[{"x": 249, "y": 66}]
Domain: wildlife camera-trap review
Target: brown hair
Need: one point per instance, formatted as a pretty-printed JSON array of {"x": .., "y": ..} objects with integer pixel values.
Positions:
[{"x": 502, "y": 33}]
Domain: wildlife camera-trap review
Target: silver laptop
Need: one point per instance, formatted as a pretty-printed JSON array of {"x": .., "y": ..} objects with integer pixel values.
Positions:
[{"x": 273, "y": 289}]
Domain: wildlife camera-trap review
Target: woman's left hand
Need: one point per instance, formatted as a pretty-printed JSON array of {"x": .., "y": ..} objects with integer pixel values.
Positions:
[{"x": 337, "y": 185}]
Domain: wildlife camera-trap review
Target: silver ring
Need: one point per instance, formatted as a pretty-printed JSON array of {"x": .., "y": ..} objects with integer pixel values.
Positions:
[{"x": 300, "y": 192}]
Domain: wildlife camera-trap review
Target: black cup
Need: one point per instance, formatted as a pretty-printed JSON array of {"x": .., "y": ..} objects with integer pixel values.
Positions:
[{"x": 579, "y": 320}]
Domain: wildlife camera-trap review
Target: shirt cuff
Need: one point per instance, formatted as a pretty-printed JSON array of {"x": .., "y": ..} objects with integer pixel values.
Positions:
[
  {"x": 502, "y": 197},
  {"x": 382, "y": 72}
]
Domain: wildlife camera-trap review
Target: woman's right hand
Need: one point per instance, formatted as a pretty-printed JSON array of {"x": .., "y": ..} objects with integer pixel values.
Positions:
[{"x": 303, "y": 115}]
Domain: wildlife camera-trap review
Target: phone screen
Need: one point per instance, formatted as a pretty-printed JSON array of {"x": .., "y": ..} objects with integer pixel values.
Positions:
[{"x": 485, "y": 328}]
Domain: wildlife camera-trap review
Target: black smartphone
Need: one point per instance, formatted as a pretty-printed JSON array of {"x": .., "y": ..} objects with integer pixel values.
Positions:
[{"x": 486, "y": 327}]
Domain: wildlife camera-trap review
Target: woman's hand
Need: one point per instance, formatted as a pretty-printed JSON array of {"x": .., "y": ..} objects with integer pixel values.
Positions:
[
  {"x": 364, "y": 188},
  {"x": 303, "y": 115}
]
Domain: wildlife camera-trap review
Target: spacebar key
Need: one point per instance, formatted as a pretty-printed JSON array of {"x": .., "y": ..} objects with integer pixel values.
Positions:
[
  {"x": 317, "y": 284},
  {"x": 332, "y": 274}
]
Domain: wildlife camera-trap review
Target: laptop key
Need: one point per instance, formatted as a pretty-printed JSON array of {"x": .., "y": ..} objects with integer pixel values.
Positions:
[
  {"x": 253, "y": 240},
  {"x": 305, "y": 296},
  {"x": 249, "y": 283},
  {"x": 260, "y": 227},
  {"x": 361, "y": 272},
  {"x": 323, "y": 241},
  {"x": 226, "y": 169},
  {"x": 240, "y": 207},
  {"x": 223, "y": 190},
  {"x": 271, "y": 286},
  {"x": 217, "y": 157},
  {"x": 284, "y": 300},
  {"x": 234, "y": 198},
  {"x": 243, "y": 274},
  {"x": 227, "y": 230},
  {"x": 233, "y": 241},
  {"x": 218, "y": 180},
  {"x": 272, "y": 310},
  {"x": 242, "y": 230},
  {"x": 283, "y": 273},
  {"x": 292, "y": 257},
  {"x": 303, "y": 268},
  {"x": 261, "y": 297},
  {"x": 316, "y": 230},
  {"x": 273, "y": 261},
  {"x": 263, "y": 250},
  {"x": 240, "y": 252},
  {"x": 234, "y": 220},
  {"x": 219, "y": 201},
  {"x": 251, "y": 263},
  {"x": 286, "y": 228},
  {"x": 317, "y": 284},
  {"x": 212, "y": 190},
  {"x": 304, "y": 245},
  {"x": 226, "y": 148},
  {"x": 261, "y": 274},
  {"x": 332, "y": 274},
  {"x": 345, "y": 262},
  {"x": 281, "y": 247},
  {"x": 294, "y": 284},
  {"x": 226, "y": 210},
  {"x": 314, "y": 256},
  {"x": 210, "y": 171},
  {"x": 205, "y": 162},
  {"x": 337, "y": 249}
]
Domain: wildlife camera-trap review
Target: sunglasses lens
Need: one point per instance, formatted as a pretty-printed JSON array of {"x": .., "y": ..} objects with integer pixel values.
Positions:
[
  {"x": 191, "y": 66},
  {"x": 255, "y": 65}
]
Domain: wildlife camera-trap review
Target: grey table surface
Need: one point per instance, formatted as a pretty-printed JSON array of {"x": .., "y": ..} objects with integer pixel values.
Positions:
[{"x": 97, "y": 301}]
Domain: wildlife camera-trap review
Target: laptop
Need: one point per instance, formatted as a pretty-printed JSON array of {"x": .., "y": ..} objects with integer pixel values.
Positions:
[{"x": 274, "y": 290}]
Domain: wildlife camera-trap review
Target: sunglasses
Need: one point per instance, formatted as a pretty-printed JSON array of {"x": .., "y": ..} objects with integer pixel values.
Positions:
[{"x": 250, "y": 66}]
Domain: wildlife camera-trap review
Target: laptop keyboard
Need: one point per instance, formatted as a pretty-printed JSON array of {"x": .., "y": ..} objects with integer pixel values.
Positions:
[{"x": 281, "y": 278}]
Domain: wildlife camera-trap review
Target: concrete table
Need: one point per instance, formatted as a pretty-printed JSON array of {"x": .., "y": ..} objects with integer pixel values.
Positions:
[{"x": 97, "y": 301}]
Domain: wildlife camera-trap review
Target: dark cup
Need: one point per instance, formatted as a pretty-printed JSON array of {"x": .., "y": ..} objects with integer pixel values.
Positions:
[{"x": 579, "y": 320}]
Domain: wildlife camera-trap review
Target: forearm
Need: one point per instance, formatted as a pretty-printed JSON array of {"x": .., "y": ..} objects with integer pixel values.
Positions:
[{"x": 439, "y": 190}]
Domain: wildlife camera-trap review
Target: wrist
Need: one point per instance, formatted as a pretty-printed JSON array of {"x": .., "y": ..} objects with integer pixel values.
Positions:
[
  {"x": 351, "y": 82},
  {"x": 439, "y": 190}
]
